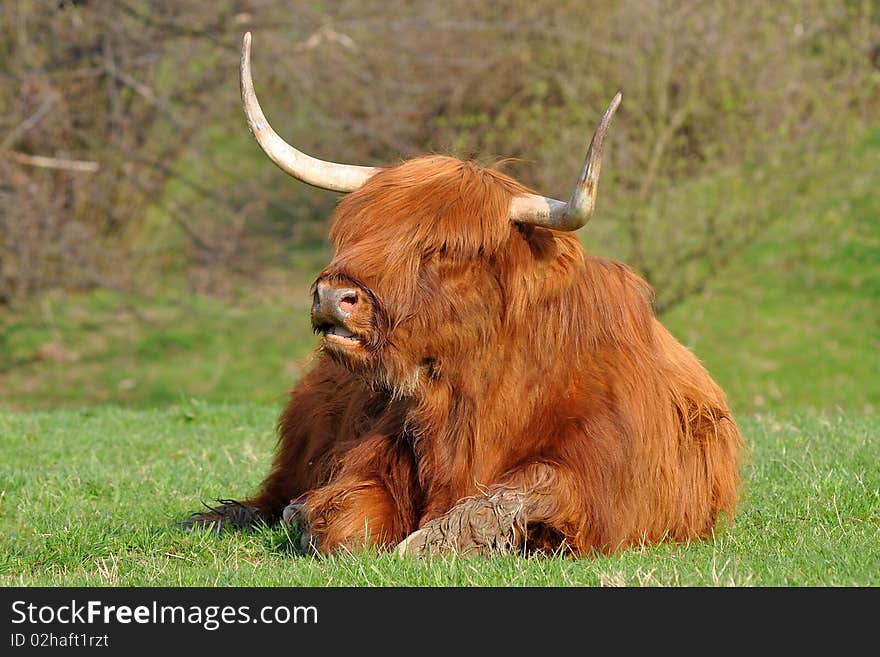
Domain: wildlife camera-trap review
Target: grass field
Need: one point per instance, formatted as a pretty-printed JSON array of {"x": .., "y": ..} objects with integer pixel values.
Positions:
[
  {"x": 122, "y": 414},
  {"x": 93, "y": 498}
]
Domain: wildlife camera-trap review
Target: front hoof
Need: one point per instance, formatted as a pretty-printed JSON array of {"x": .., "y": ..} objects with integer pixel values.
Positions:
[
  {"x": 413, "y": 545},
  {"x": 296, "y": 513},
  {"x": 437, "y": 538}
]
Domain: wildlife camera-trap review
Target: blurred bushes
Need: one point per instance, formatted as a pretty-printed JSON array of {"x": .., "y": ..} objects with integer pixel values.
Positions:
[{"x": 124, "y": 157}]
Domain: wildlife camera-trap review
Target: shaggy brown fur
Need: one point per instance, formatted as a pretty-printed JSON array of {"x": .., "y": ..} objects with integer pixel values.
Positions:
[{"x": 501, "y": 368}]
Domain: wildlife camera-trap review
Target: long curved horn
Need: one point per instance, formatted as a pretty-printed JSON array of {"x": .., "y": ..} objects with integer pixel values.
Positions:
[
  {"x": 326, "y": 175},
  {"x": 548, "y": 212}
]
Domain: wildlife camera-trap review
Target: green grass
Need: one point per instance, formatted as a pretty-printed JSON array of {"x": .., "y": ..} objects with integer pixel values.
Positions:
[
  {"x": 794, "y": 321},
  {"x": 71, "y": 351},
  {"x": 93, "y": 497}
]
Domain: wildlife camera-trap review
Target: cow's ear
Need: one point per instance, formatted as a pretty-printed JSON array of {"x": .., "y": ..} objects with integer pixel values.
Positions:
[
  {"x": 526, "y": 230},
  {"x": 541, "y": 241}
]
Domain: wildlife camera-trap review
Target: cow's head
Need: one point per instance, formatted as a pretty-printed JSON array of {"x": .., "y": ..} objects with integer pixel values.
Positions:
[{"x": 423, "y": 251}]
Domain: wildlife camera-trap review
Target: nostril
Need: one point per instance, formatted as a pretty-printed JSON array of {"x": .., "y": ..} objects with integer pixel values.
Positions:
[{"x": 348, "y": 301}]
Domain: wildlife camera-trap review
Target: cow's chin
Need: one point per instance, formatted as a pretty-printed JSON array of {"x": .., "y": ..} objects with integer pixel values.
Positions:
[{"x": 377, "y": 368}]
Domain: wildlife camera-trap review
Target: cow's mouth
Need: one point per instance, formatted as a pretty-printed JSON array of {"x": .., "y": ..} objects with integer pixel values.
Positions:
[{"x": 337, "y": 334}]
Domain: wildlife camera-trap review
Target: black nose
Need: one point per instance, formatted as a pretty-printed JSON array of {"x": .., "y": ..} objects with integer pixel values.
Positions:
[{"x": 333, "y": 305}]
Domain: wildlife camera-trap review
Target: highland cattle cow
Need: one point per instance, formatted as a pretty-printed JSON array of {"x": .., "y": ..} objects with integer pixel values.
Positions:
[{"x": 482, "y": 384}]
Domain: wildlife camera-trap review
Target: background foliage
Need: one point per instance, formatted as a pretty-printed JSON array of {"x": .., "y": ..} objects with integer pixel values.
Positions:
[{"x": 145, "y": 94}]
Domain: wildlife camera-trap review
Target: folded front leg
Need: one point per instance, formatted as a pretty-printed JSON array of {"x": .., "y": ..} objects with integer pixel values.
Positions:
[
  {"x": 370, "y": 501},
  {"x": 486, "y": 524}
]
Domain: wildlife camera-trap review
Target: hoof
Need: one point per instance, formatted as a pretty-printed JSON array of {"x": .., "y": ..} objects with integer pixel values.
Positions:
[
  {"x": 296, "y": 513},
  {"x": 413, "y": 544}
]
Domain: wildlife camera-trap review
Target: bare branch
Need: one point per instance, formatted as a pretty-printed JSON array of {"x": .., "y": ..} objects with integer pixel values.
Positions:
[{"x": 52, "y": 162}]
